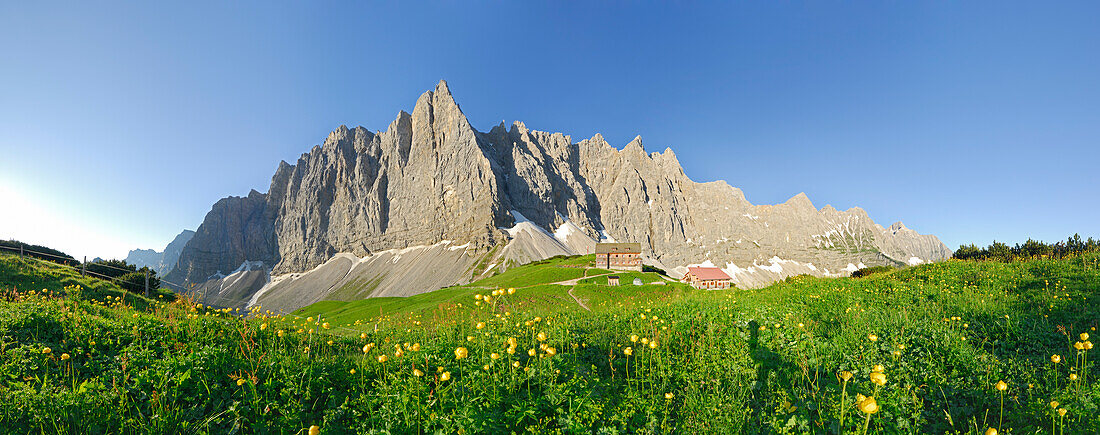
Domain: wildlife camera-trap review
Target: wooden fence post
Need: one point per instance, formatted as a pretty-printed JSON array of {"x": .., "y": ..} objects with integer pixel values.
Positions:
[
  {"x": 84, "y": 266},
  {"x": 146, "y": 282}
]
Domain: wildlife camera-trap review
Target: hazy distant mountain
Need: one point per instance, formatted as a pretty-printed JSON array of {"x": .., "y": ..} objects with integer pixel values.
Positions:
[
  {"x": 431, "y": 202},
  {"x": 163, "y": 261}
]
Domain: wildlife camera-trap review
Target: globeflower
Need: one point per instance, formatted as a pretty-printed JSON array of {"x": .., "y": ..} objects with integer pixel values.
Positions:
[
  {"x": 64, "y": 356},
  {"x": 878, "y": 378},
  {"x": 480, "y": 325},
  {"x": 461, "y": 353},
  {"x": 872, "y": 337},
  {"x": 668, "y": 396},
  {"x": 446, "y": 376},
  {"x": 634, "y": 338},
  {"x": 1056, "y": 359},
  {"x": 845, "y": 375},
  {"x": 417, "y": 373},
  {"x": 314, "y": 430},
  {"x": 1053, "y": 404},
  {"x": 383, "y": 358},
  {"x": 628, "y": 351},
  {"x": 868, "y": 406},
  {"x": 653, "y": 344},
  {"x": 542, "y": 336},
  {"x": 1084, "y": 336},
  {"x": 1001, "y": 386}
]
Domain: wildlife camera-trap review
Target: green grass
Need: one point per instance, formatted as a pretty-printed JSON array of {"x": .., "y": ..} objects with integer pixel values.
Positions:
[
  {"x": 542, "y": 272},
  {"x": 34, "y": 274},
  {"x": 728, "y": 361},
  {"x": 626, "y": 278}
]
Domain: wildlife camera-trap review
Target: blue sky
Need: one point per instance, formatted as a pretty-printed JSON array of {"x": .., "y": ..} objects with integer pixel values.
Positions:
[{"x": 120, "y": 125}]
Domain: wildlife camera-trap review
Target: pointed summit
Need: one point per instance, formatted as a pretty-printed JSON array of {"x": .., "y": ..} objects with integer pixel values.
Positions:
[
  {"x": 441, "y": 88},
  {"x": 801, "y": 201}
]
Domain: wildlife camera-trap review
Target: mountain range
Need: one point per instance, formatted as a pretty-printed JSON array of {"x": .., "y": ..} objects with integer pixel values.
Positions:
[
  {"x": 431, "y": 202},
  {"x": 162, "y": 262}
]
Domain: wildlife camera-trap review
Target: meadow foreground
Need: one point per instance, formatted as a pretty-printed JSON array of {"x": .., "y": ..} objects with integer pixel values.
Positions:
[{"x": 951, "y": 347}]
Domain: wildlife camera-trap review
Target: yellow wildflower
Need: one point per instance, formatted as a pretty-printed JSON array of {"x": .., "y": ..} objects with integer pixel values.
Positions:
[
  {"x": 868, "y": 405},
  {"x": 878, "y": 378}
]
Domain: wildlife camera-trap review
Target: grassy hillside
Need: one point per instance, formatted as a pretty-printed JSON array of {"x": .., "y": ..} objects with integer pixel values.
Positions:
[{"x": 646, "y": 359}]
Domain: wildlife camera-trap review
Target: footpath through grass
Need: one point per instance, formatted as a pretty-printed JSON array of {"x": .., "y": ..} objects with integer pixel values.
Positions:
[{"x": 917, "y": 350}]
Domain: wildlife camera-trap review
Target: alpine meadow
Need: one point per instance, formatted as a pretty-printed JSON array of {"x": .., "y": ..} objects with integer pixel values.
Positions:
[{"x": 442, "y": 218}]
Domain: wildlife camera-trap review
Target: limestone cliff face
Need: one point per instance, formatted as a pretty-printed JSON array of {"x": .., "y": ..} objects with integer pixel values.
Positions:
[
  {"x": 237, "y": 229},
  {"x": 430, "y": 178}
]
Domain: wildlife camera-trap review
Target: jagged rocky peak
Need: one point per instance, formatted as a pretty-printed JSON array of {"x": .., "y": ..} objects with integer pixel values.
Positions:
[
  {"x": 431, "y": 179},
  {"x": 163, "y": 261}
]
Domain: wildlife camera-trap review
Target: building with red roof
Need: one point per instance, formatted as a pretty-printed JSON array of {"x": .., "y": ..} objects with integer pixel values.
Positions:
[{"x": 709, "y": 278}]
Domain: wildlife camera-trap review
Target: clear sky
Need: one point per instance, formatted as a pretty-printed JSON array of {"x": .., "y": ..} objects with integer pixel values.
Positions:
[{"x": 120, "y": 125}]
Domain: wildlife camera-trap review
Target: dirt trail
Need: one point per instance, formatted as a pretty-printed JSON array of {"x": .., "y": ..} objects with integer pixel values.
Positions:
[{"x": 577, "y": 299}]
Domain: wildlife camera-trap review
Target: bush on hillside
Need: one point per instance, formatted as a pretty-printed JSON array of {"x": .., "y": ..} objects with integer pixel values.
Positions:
[
  {"x": 126, "y": 275},
  {"x": 868, "y": 271},
  {"x": 1030, "y": 249}
]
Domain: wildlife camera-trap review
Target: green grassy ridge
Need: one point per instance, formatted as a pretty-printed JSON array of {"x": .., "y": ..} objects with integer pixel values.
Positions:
[
  {"x": 534, "y": 294},
  {"x": 547, "y": 271},
  {"x": 34, "y": 274},
  {"x": 733, "y": 361},
  {"x": 437, "y": 307}
]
